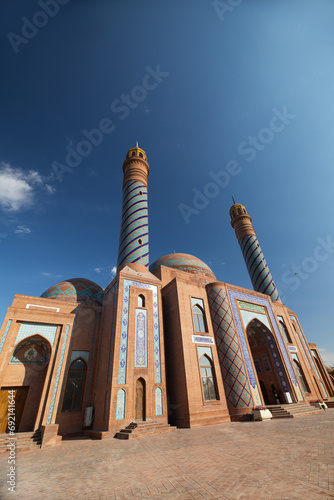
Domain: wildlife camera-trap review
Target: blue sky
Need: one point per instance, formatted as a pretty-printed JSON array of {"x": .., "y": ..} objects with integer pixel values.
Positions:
[{"x": 242, "y": 90}]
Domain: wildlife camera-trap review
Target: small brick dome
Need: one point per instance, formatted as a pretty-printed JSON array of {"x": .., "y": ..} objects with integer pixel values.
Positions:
[
  {"x": 184, "y": 262},
  {"x": 80, "y": 289}
]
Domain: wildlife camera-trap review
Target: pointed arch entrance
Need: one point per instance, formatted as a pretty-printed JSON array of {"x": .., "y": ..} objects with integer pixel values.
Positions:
[
  {"x": 140, "y": 399},
  {"x": 268, "y": 363},
  {"x": 31, "y": 356}
]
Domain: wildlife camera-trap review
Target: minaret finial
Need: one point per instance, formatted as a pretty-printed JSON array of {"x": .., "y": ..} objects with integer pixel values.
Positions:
[
  {"x": 233, "y": 200},
  {"x": 136, "y": 144}
]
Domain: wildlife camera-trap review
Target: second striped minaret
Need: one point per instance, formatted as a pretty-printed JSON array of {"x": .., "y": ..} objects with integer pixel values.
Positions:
[
  {"x": 258, "y": 270},
  {"x": 133, "y": 242}
]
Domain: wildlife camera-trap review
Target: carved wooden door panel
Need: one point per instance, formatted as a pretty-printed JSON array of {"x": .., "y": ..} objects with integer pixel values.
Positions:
[
  {"x": 140, "y": 400},
  {"x": 20, "y": 395}
]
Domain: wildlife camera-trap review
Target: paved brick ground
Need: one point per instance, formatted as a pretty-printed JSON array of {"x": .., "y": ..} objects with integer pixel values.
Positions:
[{"x": 279, "y": 459}]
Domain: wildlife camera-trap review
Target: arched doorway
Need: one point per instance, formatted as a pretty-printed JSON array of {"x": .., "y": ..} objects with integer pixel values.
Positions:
[
  {"x": 140, "y": 399},
  {"x": 268, "y": 363},
  {"x": 31, "y": 356}
]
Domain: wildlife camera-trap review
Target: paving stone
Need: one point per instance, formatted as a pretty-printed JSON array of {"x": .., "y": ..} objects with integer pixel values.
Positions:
[{"x": 281, "y": 460}]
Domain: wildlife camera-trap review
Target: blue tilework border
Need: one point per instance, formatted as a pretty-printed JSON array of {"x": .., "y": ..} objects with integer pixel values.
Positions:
[
  {"x": 124, "y": 331},
  {"x": 264, "y": 302},
  {"x": 60, "y": 364},
  {"x": 5, "y": 334}
]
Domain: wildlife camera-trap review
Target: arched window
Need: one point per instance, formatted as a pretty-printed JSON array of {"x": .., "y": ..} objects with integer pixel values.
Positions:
[
  {"x": 141, "y": 301},
  {"x": 285, "y": 331},
  {"x": 208, "y": 381},
  {"x": 301, "y": 376},
  {"x": 75, "y": 385},
  {"x": 199, "y": 319}
]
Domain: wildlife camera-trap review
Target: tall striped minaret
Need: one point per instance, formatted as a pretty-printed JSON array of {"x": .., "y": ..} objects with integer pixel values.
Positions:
[
  {"x": 133, "y": 241},
  {"x": 258, "y": 270}
]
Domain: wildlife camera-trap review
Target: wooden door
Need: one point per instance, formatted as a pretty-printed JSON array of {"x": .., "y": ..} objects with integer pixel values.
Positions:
[
  {"x": 140, "y": 399},
  {"x": 20, "y": 395}
]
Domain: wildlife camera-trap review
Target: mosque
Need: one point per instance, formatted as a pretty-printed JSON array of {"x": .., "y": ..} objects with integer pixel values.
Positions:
[{"x": 165, "y": 344}]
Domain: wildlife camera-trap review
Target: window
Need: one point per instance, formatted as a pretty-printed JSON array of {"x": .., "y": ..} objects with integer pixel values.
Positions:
[
  {"x": 300, "y": 372},
  {"x": 75, "y": 386},
  {"x": 208, "y": 379},
  {"x": 141, "y": 301},
  {"x": 199, "y": 319},
  {"x": 284, "y": 330}
]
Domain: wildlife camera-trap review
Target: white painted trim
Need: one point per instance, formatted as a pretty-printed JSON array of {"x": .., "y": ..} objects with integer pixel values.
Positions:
[{"x": 45, "y": 307}]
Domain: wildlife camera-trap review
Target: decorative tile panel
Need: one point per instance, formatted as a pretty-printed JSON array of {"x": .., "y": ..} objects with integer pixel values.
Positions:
[
  {"x": 252, "y": 307},
  {"x": 5, "y": 334},
  {"x": 158, "y": 401},
  {"x": 120, "y": 405},
  {"x": 60, "y": 364},
  {"x": 234, "y": 296},
  {"x": 141, "y": 339},
  {"x": 202, "y": 340},
  {"x": 30, "y": 329},
  {"x": 114, "y": 290},
  {"x": 235, "y": 380},
  {"x": 292, "y": 348},
  {"x": 124, "y": 331},
  {"x": 33, "y": 350}
]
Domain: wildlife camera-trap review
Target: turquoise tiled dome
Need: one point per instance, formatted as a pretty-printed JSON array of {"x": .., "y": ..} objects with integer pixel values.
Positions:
[
  {"x": 184, "y": 262},
  {"x": 80, "y": 289}
]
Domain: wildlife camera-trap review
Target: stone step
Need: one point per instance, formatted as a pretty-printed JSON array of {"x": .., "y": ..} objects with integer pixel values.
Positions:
[
  {"x": 330, "y": 404},
  {"x": 293, "y": 410},
  {"x": 135, "y": 429},
  {"x": 23, "y": 441}
]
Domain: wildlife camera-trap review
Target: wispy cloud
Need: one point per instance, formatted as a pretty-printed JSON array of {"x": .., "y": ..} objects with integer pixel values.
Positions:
[
  {"x": 106, "y": 271},
  {"x": 51, "y": 275},
  {"x": 22, "y": 230},
  {"x": 17, "y": 187},
  {"x": 327, "y": 357}
]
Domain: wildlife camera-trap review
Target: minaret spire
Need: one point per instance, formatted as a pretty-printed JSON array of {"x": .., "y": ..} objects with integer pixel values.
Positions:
[
  {"x": 133, "y": 242},
  {"x": 257, "y": 267}
]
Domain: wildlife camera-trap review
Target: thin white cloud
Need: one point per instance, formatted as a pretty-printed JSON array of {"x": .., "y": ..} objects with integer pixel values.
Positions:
[
  {"x": 17, "y": 187},
  {"x": 22, "y": 230},
  {"x": 327, "y": 357},
  {"x": 49, "y": 189},
  {"x": 106, "y": 271},
  {"x": 51, "y": 275}
]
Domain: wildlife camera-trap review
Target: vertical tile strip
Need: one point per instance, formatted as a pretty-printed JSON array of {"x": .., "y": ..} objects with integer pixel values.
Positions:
[
  {"x": 158, "y": 401},
  {"x": 60, "y": 364},
  {"x": 5, "y": 334},
  {"x": 124, "y": 334},
  {"x": 120, "y": 405}
]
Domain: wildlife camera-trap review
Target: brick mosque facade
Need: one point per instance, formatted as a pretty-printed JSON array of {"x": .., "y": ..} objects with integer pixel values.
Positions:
[{"x": 166, "y": 343}]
